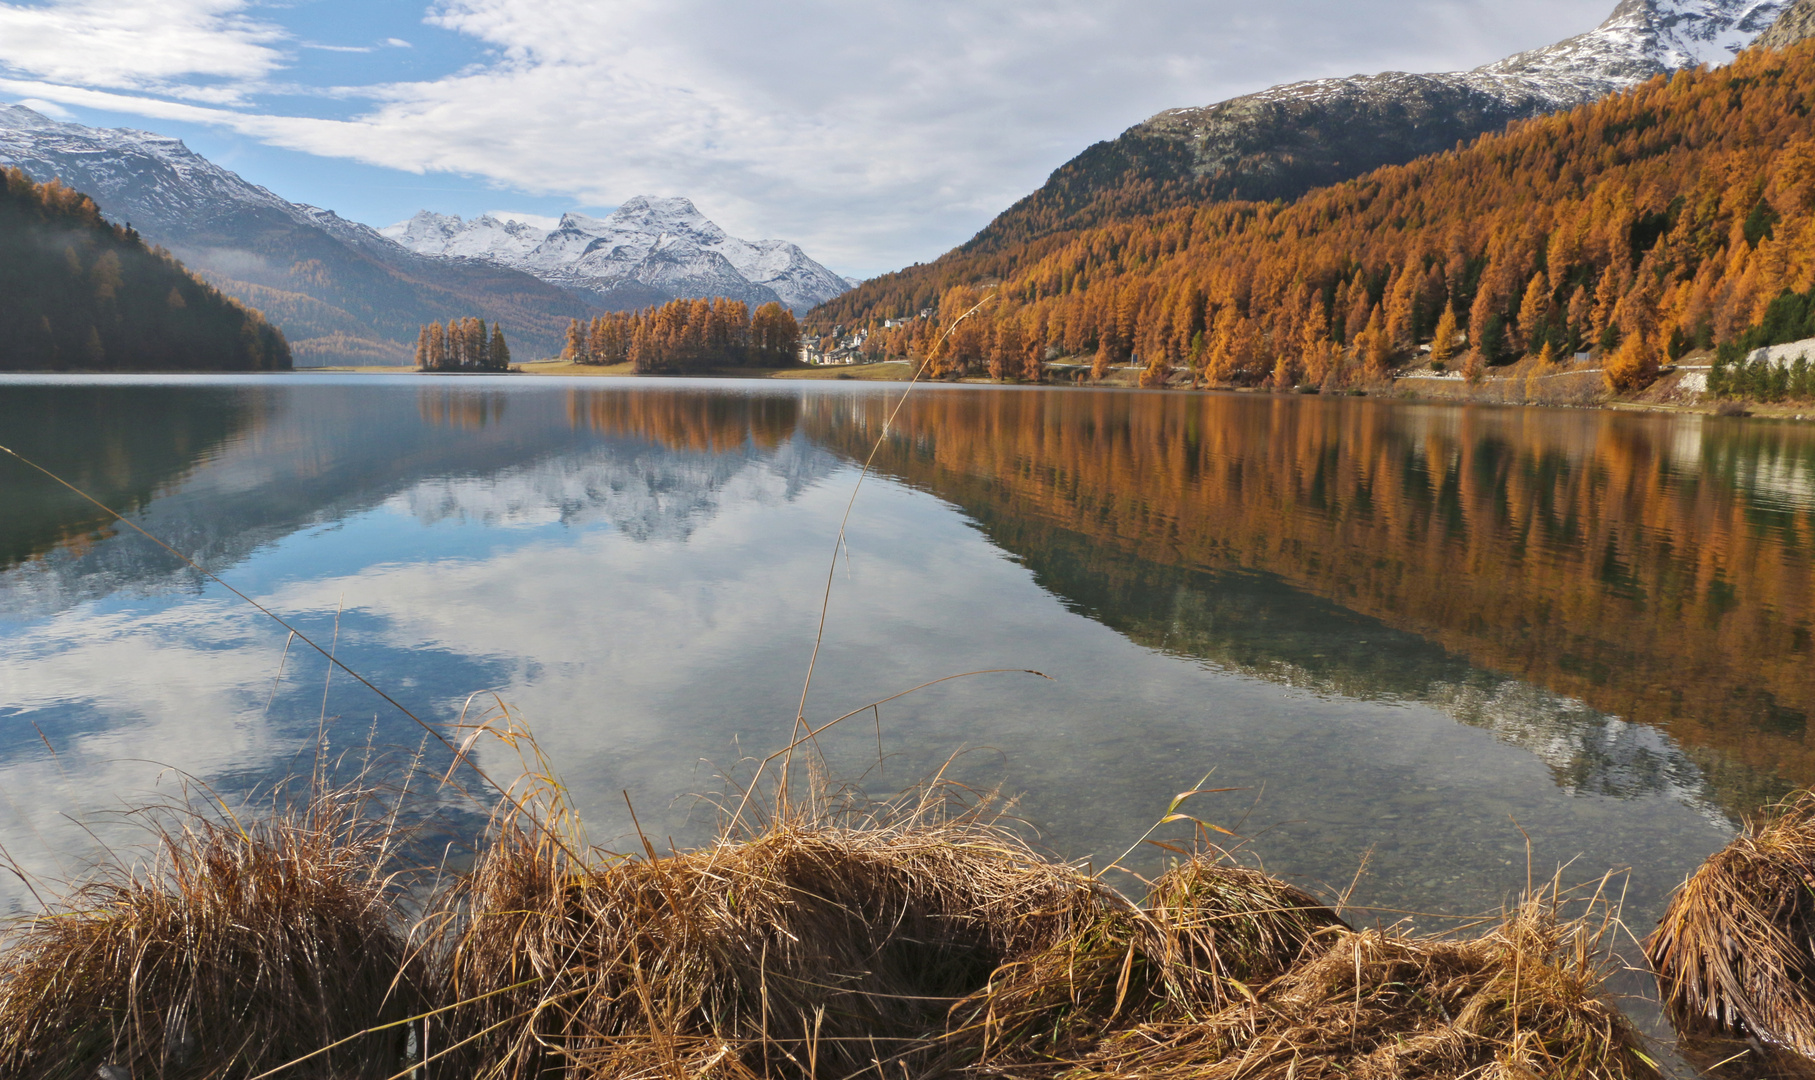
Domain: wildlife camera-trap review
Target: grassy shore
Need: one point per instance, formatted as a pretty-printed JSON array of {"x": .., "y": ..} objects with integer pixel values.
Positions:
[{"x": 819, "y": 938}]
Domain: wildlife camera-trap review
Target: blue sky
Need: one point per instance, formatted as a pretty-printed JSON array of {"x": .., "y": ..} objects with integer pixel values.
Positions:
[{"x": 874, "y": 135}]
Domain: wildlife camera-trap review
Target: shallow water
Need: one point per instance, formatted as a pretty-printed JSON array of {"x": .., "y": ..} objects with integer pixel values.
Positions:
[{"x": 1420, "y": 632}]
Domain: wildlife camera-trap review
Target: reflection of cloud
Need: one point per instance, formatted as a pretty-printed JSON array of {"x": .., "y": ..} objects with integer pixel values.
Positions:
[
  {"x": 177, "y": 688},
  {"x": 633, "y": 658}
]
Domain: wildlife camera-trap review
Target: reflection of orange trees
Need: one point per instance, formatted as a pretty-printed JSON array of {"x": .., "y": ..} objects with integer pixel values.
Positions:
[
  {"x": 461, "y": 409},
  {"x": 1659, "y": 571},
  {"x": 708, "y": 423}
]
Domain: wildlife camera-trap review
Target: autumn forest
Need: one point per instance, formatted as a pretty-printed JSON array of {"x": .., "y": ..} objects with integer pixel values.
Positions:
[
  {"x": 687, "y": 335},
  {"x": 1669, "y": 219}
]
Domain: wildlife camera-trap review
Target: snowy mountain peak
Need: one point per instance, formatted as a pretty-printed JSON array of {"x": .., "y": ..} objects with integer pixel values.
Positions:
[
  {"x": 162, "y": 181},
  {"x": 1640, "y": 39},
  {"x": 648, "y": 249},
  {"x": 24, "y": 119}
]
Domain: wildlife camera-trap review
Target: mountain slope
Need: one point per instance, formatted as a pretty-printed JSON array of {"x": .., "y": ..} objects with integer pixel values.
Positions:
[
  {"x": 1285, "y": 141},
  {"x": 1282, "y": 142},
  {"x": 79, "y": 293},
  {"x": 1678, "y": 214},
  {"x": 338, "y": 289},
  {"x": 1797, "y": 23},
  {"x": 648, "y": 251}
]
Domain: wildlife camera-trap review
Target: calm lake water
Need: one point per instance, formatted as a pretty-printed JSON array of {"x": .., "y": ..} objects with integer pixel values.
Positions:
[{"x": 1401, "y": 629}]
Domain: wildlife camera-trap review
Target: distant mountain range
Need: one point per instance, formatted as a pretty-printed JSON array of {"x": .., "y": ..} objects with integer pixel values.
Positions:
[
  {"x": 343, "y": 293},
  {"x": 1282, "y": 142},
  {"x": 649, "y": 251},
  {"x": 340, "y": 292}
]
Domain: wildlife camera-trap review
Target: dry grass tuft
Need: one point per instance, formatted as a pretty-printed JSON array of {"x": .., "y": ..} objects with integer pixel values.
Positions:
[
  {"x": 1207, "y": 935},
  {"x": 926, "y": 949},
  {"x": 233, "y": 952},
  {"x": 1522, "y": 1001},
  {"x": 803, "y": 951},
  {"x": 1735, "y": 950},
  {"x": 824, "y": 947}
]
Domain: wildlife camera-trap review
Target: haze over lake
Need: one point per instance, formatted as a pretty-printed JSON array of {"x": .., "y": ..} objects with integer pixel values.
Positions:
[{"x": 1402, "y": 628}]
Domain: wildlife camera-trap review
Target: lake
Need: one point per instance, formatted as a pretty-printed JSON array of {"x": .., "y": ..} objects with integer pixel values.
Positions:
[{"x": 1417, "y": 633}]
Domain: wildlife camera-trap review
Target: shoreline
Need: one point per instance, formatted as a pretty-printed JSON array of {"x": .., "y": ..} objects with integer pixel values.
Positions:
[{"x": 1509, "y": 389}]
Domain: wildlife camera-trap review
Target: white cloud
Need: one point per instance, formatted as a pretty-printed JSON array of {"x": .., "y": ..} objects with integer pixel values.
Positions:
[
  {"x": 131, "y": 45},
  {"x": 872, "y": 134},
  {"x": 398, "y": 43},
  {"x": 48, "y": 108}
]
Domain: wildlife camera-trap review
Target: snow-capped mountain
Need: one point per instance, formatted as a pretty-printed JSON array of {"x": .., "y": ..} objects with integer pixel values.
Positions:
[
  {"x": 649, "y": 249},
  {"x": 1284, "y": 141},
  {"x": 338, "y": 290},
  {"x": 1640, "y": 39}
]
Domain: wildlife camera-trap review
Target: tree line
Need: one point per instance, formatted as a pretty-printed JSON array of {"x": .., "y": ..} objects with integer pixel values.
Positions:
[
  {"x": 79, "y": 293},
  {"x": 687, "y": 335},
  {"x": 462, "y": 345},
  {"x": 1660, "y": 221}
]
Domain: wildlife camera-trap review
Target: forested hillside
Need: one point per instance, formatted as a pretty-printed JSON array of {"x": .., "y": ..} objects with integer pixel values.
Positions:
[
  {"x": 1666, "y": 217},
  {"x": 79, "y": 294}
]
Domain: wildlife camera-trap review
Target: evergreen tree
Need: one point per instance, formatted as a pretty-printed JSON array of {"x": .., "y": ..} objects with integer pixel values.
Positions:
[{"x": 499, "y": 354}]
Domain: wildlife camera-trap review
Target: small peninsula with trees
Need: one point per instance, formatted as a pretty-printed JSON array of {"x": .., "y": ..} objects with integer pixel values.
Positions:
[
  {"x": 80, "y": 294},
  {"x": 462, "y": 345},
  {"x": 686, "y": 337}
]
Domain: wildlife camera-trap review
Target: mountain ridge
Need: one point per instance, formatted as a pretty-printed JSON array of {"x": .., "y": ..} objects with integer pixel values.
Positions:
[
  {"x": 1287, "y": 139},
  {"x": 649, "y": 250},
  {"x": 1796, "y": 24}
]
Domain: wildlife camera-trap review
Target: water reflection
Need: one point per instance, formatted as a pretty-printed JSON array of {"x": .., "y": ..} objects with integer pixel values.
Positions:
[
  {"x": 687, "y": 421},
  {"x": 460, "y": 408},
  {"x": 122, "y": 452},
  {"x": 1336, "y": 601},
  {"x": 1651, "y": 569}
]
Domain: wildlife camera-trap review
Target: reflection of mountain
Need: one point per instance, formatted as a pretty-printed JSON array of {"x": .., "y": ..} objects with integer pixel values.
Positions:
[
  {"x": 1656, "y": 570},
  {"x": 121, "y": 446},
  {"x": 655, "y": 481},
  {"x": 1258, "y": 624},
  {"x": 323, "y": 451}
]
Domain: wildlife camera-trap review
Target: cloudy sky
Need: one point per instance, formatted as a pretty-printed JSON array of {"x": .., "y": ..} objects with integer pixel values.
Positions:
[{"x": 873, "y": 134}]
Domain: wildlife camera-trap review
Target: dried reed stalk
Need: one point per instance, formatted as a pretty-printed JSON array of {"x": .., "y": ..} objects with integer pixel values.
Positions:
[
  {"x": 236, "y": 950},
  {"x": 1735, "y": 950}
]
